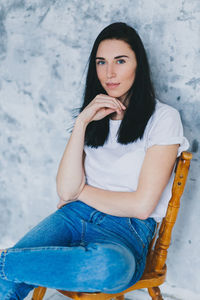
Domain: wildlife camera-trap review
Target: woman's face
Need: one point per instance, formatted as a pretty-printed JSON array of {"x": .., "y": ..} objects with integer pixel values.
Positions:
[{"x": 116, "y": 67}]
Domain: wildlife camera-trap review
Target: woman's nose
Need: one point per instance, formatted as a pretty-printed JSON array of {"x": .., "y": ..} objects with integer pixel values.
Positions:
[{"x": 110, "y": 71}]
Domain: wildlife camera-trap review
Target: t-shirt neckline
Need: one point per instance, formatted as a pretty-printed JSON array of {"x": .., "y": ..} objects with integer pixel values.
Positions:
[{"x": 115, "y": 121}]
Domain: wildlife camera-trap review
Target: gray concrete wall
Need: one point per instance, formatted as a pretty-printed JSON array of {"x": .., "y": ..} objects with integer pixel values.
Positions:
[{"x": 44, "y": 47}]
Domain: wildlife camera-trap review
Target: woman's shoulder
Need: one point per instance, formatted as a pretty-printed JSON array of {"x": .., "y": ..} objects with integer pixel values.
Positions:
[
  {"x": 165, "y": 127},
  {"x": 164, "y": 117},
  {"x": 164, "y": 112},
  {"x": 163, "y": 108}
]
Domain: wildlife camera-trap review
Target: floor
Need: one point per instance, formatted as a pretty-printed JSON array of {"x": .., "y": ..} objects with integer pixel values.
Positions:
[{"x": 168, "y": 292}]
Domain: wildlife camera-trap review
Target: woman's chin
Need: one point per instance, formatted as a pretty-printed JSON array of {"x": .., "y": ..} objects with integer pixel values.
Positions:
[{"x": 114, "y": 94}]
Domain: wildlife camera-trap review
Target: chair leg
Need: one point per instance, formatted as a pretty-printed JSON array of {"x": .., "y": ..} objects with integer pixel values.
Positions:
[
  {"x": 39, "y": 293},
  {"x": 120, "y": 297},
  {"x": 155, "y": 293}
]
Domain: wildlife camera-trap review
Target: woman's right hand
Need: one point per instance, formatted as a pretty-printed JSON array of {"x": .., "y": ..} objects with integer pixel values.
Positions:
[{"x": 101, "y": 106}]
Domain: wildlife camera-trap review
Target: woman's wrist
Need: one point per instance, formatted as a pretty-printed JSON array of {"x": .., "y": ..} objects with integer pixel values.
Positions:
[{"x": 80, "y": 122}]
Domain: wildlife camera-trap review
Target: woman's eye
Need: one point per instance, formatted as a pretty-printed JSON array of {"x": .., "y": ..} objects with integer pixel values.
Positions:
[
  {"x": 120, "y": 61},
  {"x": 100, "y": 62}
]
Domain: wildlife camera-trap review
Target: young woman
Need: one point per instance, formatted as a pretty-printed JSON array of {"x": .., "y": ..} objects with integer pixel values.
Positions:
[{"x": 113, "y": 181}]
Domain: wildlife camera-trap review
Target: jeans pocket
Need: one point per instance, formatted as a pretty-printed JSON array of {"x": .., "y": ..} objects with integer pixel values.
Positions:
[
  {"x": 149, "y": 223},
  {"x": 136, "y": 232},
  {"x": 149, "y": 227}
]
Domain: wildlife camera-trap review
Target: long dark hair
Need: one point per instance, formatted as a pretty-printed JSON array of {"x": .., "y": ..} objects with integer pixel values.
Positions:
[{"x": 142, "y": 97}]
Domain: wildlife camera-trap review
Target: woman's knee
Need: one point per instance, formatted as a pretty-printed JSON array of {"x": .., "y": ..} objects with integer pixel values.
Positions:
[{"x": 114, "y": 265}]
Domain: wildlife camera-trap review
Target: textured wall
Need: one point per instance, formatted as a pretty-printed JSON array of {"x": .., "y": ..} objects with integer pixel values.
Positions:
[{"x": 44, "y": 47}]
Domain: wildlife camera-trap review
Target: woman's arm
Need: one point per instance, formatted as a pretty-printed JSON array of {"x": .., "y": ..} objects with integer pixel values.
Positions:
[
  {"x": 154, "y": 176},
  {"x": 70, "y": 178}
]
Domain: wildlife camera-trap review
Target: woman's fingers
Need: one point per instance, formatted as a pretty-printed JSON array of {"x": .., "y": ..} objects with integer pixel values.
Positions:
[
  {"x": 108, "y": 111},
  {"x": 120, "y": 106},
  {"x": 118, "y": 102},
  {"x": 101, "y": 104},
  {"x": 98, "y": 108},
  {"x": 102, "y": 97},
  {"x": 109, "y": 103}
]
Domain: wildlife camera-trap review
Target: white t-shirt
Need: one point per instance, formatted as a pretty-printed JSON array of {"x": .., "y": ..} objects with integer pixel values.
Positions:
[{"x": 116, "y": 167}]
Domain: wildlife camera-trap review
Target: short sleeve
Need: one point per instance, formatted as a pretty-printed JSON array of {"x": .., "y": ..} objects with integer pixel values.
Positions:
[{"x": 166, "y": 128}]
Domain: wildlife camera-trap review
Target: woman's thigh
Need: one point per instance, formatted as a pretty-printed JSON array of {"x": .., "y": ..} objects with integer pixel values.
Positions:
[
  {"x": 58, "y": 229},
  {"x": 98, "y": 266},
  {"x": 99, "y": 254},
  {"x": 132, "y": 233}
]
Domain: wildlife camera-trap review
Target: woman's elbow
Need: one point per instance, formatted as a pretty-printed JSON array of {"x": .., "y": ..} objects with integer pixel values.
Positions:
[
  {"x": 144, "y": 215},
  {"x": 145, "y": 210},
  {"x": 145, "y": 203},
  {"x": 62, "y": 190},
  {"x": 69, "y": 192},
  {"x": 62, "y": 194}
]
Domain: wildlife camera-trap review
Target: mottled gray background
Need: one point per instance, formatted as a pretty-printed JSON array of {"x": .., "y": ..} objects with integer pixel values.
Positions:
[{"x": 44, "y": 47}]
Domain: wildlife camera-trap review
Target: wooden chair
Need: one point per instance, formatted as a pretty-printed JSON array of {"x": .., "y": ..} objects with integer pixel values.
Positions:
[{"x": 155, "y": 271}]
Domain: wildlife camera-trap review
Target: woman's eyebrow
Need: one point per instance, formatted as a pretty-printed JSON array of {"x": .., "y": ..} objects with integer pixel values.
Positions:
[{"x": 116, "y": 57}]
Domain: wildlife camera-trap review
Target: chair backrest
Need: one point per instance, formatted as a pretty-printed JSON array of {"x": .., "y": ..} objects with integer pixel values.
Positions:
[{"x": 159, "y": 253}]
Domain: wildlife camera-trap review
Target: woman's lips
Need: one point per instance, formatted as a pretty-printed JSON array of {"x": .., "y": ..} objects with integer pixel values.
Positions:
[{"x": 112, "y": 85}]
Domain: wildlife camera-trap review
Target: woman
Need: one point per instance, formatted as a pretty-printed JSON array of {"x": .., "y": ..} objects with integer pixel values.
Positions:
[{"x": 113, "y": 181}]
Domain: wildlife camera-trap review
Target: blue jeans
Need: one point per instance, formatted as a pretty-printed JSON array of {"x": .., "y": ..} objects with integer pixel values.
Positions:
[{"x": 77, "y": 248}]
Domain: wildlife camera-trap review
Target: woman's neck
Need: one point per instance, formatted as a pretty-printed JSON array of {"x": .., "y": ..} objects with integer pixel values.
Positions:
[{"x": 116, "y": 116}]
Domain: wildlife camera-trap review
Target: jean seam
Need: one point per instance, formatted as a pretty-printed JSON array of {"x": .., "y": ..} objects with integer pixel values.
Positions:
[
  {"x": 64, "y": 217},
  {"x": 9, "y": 295},
  {"x": 146, "y": 225},
  {"x": 3, "y": 257},
  {"x": 83, "y": 231},
  {"x": 91, "y": 215},
  {"x": 133, "y": 229}
]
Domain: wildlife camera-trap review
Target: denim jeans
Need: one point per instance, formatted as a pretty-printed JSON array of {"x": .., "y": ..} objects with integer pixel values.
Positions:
[{"x": 77, "y": 248}]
